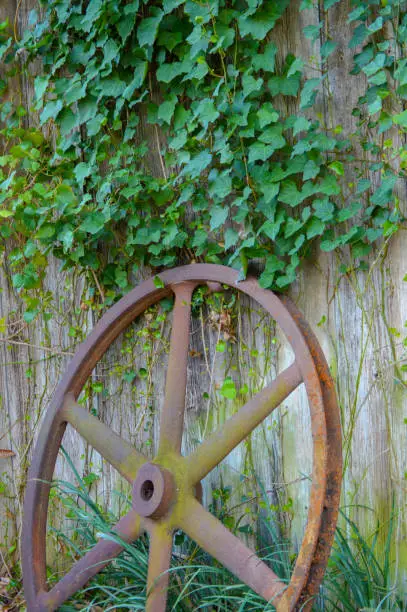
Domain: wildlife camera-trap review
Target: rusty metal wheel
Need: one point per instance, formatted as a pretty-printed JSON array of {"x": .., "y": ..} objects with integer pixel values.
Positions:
[{"x": 164, "y": 489}]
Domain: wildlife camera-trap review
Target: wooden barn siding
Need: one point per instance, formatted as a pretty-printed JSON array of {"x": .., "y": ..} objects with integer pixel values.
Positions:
[{"x": 357, "y": 311}]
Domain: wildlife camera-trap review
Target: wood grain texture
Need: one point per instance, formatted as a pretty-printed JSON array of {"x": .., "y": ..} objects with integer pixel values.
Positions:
[{"x": 358, "y": 311}]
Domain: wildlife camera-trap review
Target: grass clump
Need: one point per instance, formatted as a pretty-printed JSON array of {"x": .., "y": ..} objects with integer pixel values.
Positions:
[{"x": 358, "y": 578}]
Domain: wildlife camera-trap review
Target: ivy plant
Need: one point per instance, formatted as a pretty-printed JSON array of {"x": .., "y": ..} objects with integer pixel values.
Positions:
[{"x": 238, "y": 179}]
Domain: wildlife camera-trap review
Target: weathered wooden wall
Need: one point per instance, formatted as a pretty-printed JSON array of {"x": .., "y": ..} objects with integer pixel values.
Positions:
[{"x": 356, "y": 318}]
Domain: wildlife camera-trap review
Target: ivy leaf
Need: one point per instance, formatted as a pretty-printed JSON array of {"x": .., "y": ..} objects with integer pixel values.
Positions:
[
  {"x": 199, "y": 71},
  {"x": 358, "y": 12},
  {"x": 64, "y": 197},
  {"x": 45, "y": 232},
  {"x": 376, "y": 25},
  {"x": 283, "y": 85},
  {"x": 228, "y": 389},
  {"x": 126, "y": 25},
  {"x": 75, "y": 92},
  {"x": 93, "y": 223},
  {"x": 359, "y": 35},
  {"x": 311, "y": 170},
  {"x": 389, "y": 228},
  {"x": 67, "y": 121},
  {"x": 360, "y": 249},
  {"x": 375, "y": 65},
  {"x": 82, "y": 52},
  {"x": 40, "y": 86},
  {"x": 220, "y": 184},
  {"x": 200, "y": 238},
  {"x": 312, "y": 31},
  {"x": 401, "y": 119},
  {"x": 265, "y": 61},
  {"x": 347, "y": 213},
  {"x": 168, "y": 72},
  {"x": 331, "y": 243},
  {"x": 112, "y": 87},
  {"x": 167, "y": 108},
  {"x": 271, "y": 228},
  {"x": 380, "y": 78},
  {"x": 301, "y": 124},
  {"x": 273, "y": 265},
  {"x": 51, "y": 111},
  {"x": 110, "y": 52},
  {"x": 201, "y": 13},
  {"x": 170, "y": 5},
  {"x": 146, "y": 235},
  {"x": 218, "y": 214},
  {"x": 264, "y": 181},
  {"x": 375, "y": 106},
  {"x": 384, "y": 193},
  {"x": 82, "y": 170},
  {"x": 94, "y": 125},
  {"x": 292, "y": 226},
  {"x": 260, "y": 24},
  {"x": 274, "y": 135},
  {"x": 309, "y": 92},
  {"x": 337, "y": 167},
  {"x": 266, "y": 114},
  {"x": 324, "y": 209},
  {"x": 231, "y": 238},
  {"x": 328, "y": 48},
  {"x": 198, "y": 164},
  {"x": 139, "y": 74},
  {"x": 206, "y": 112},
  {"x": 87, "y": 109},
  {"x": 28, "y": 279},
  {"x": 178, "y": 141},
  {"x": 315, "y": 228},
  {"x": 259, "y": 151},
  {"x": 148, "y": 28},
  {"x": 66, "y": 236},
  {"x": 92, "y": 13},
  {"x": 299, "y": 241},
  {"x": 158, "y": 282},
  {"x": 296, "y": 66},
  {"x": 290, "y": 273},
  {"x": 329, "y": 185},
  {"x": 250, "y": 84},
  {"x": 289, "y": 194},
  {"x": 362, "y": 186}
]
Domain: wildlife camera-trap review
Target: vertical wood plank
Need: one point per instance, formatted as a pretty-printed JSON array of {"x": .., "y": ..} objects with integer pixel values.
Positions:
[{"x": 352, "y": 318}]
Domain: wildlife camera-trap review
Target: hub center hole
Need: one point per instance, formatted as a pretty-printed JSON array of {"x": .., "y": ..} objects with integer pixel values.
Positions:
[{"x": 147, "y": 490}]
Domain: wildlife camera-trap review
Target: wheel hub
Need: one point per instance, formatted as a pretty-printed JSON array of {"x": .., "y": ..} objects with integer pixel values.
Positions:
[{"x": 153, "y": 491}]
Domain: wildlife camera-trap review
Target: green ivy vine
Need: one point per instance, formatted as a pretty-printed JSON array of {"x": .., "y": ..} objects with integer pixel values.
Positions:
[{"x": 239, "y": 178}]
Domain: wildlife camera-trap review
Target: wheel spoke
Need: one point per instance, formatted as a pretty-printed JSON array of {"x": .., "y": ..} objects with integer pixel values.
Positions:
[
  {"x": 128, "y": 528},
  {"x": 119, "y": 453},
  {"x": 211, "y": 535},
  {"x": 219, "y": 444},
  {"x": 158, "y": 565},
  {"x": 172, "y": 418}
]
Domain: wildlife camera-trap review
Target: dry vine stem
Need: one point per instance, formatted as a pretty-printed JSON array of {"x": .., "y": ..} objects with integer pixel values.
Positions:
[{"x": 165, "y": 490}]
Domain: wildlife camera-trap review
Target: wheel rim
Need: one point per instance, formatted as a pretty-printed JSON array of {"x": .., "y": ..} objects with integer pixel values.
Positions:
[{"x": 182, "y": 510}]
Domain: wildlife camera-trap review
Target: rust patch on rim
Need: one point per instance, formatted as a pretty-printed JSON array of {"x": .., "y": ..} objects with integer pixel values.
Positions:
[{"x": 165, "y": 491}]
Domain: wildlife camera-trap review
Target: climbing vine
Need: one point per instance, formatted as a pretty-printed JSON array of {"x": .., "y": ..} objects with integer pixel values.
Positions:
[
  {"x": 176, "y": 131},
  {"x": 239, "y": 177}
]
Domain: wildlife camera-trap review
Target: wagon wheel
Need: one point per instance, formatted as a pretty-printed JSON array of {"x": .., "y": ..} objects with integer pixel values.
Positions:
[{"x": 164, "y": 489}]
